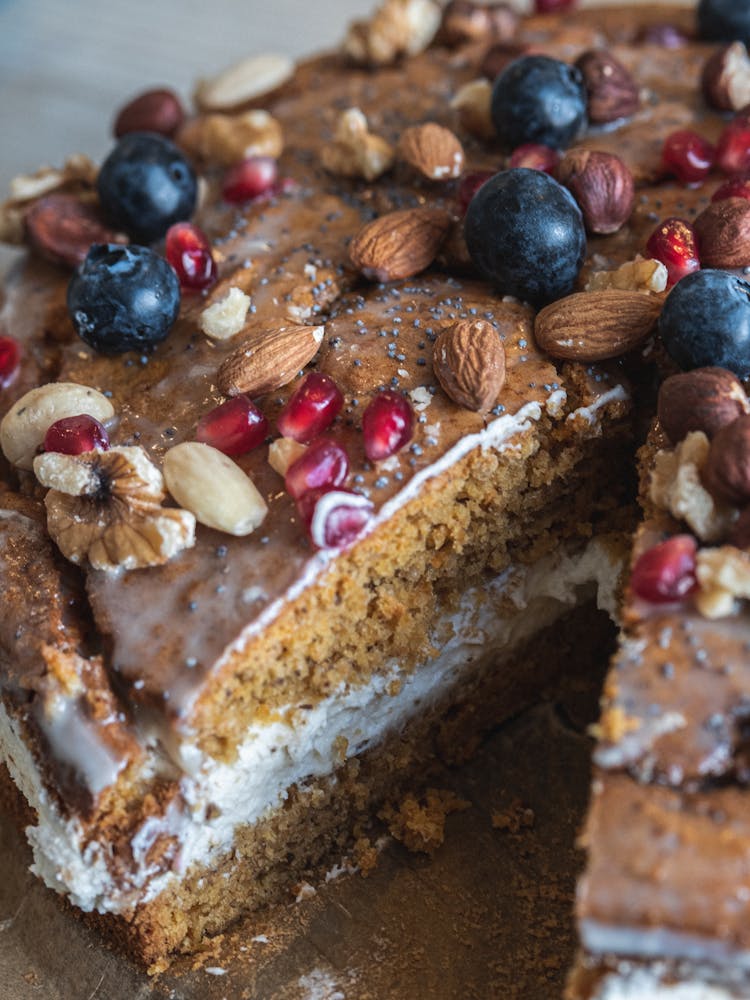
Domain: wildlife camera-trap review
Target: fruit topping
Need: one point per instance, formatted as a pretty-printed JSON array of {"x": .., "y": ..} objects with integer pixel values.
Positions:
[
  {"x": 674, "y": 243},
  {"x": 323, "y": 464},
  {"x": 311, "y": 409},
  {"x": 10, "y": 360},
  {"x": 189, "y": 252},
  {"x": 733, "y": 149},
  {"x": 62, "y": 227},
  {"x": 526, "y": 235},
  {"x": 688, "y": 156},
  {"x": 334, "y": 518},
  {"x": 251, "y": 178},
  {"x": 706, "y": 322},
  {"x": 553, "y": 6},
  {"x": 724, "y": 21},
  {"x": 387, "y": 425},
  {"x": 735, "y": 187},
  {"x": 75, "y": 435},
  {"x": 534, "y": 156},
  {"x": 234, "y": 427},
  {"x": 157, "y": 110},
  {"x": 145, "y": 185},
  {"x": 666, "y": 573},
  {"x": 538, "y": 99},
  {"x": 123, "y": 298}
]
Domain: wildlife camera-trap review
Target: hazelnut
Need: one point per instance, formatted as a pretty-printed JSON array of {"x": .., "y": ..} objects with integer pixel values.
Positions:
[
  {"x": 727, "y": 469},
  {"x": 612, "y": 91},
  {"x": 726, "y": 78},
  {"x": 723, "y": 231},
  {"x": 153, "y": 111},
  {"x": 601, "y": 184},
  {"x": 500, "y": 55},
  {"x": 705, "y": 399},
  {"x": 739, "y": 534},
  {"x": 466, "y": 21}
]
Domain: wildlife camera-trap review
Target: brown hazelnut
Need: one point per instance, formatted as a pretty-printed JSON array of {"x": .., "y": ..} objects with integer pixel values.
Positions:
[
  {"x": 153, "y": 111},
  {"x": 500, "y": 55},
  {"x": 601, "y": 184},
  {"x": 467, "y": 21},
  {"x": 723, "y": 231},
  {"x": 739, "y": 533},
  {"x": 726, "y": 473},
  {"x": 705, "y": 399},
  {"x": 612, "y": 91},
  {"x": 726, "y": 78}
]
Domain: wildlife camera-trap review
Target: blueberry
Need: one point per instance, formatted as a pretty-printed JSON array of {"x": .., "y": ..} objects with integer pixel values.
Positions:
[
  {"x": 123, "y": 298},
  {"x": 706, "y": 322},
  {"x": 538, "y": 99},
  {"x": 145, "y": 185},
  {"x": 525, "y": 234},
  {"x": 724, "y": 20}
]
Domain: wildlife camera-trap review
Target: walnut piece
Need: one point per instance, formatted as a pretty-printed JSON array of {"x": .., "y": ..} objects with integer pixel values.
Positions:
[
  {"x": 226, "y": 317},
  {"x": 78, "y": 173},
  {"x": 637, "y": 275},
  {"x": 105, "y": 507},
  {"x": 724, "y": 576},
  {"x": 228, "y": 139},
  {"x": 355, "y": 151},
  {"x": 397, "y": 28},
  {"x": 676, "y": 487}
]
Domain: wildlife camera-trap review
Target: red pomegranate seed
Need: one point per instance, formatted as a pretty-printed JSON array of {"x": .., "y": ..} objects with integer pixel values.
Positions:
[
  {"x": 688, "y": 156},
  {"x": 387, "y": 424},
  {"x": 666, "y": 572},
  {"x": 673, "y": 242},
  {"x": 733, "y": 149},
  {"x": 249, "y": 179},
  {"x": 334, "y": 518},
  {"x": 534, "y": 156},
  {"x": 469, "y": 185},
  {"x": 735, "y": 187},
  {"x": 552, "y": 6},
  {"x": 189, "y": 252},
  {"x": 311, "y": 408},
  {"x": 234, "y": 427},
  {"x": 325, "y": 464},
  {"x": 76, "y": 435},
  {"x": 10, "y": 360}
]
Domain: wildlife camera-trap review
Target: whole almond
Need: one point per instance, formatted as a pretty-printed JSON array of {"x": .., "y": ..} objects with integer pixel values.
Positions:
[
  {"x": 705, "y": 399},
  {"x": 593, "y": 326},
  {"x": 601, "y": 184},
  {"x": 433, "y": 150},
  {"x": 399, "y": 244},
  {"x": 269, "y": 360},
  {"x": 469, "y": 363},
  {"x": 612, "y": 91},
  {"x": 153, "y": 111},
  {"x": 723, "y": 231}
]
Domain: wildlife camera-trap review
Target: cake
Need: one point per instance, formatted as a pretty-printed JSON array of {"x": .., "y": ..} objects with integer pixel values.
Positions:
[{"x": 237, "y": 628}]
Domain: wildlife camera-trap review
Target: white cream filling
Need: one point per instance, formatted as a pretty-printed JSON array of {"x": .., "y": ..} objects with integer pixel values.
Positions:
[
  {"x": 309, "y": 743},
  {"x": 638, "y": 983}
]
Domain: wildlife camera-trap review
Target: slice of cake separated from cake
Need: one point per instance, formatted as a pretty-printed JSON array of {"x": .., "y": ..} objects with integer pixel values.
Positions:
[{"x": 272, "y": 545}]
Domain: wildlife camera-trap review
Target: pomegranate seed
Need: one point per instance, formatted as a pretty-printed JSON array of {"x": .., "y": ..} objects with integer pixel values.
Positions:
[
  {"x": 552, "y": 6},
  {"x": 324, "y": 464},
  {"x": 733, "y": 149},
  {"x": 387, "y": 424},
  {"x": 470, "y": 184},
  {"x": 334, "y": 518},
  {"x": 249, "y": 179},
  {"x": 76, "y": 435},
  {"x": 673, "y": 242},
  {"x": 688, "y": 156},
  {"x": 234, "y": 427},
  {"x": 534, "y": 156},
  {"x": 189, "y": 252},
  {"x": 311, "y": 408},
  {"x": 10, "y": 360},
  {"x": 666, "y": 572},
  {"x": 735, "y": 187}
]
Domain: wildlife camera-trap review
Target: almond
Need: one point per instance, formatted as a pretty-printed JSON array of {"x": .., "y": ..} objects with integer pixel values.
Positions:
[
  {"x": 433, "y": 150},
  {"x": 244, "y": 81},
  {"x": 469, "y": 363},
  {"x": 592, "y": 326},
  {"x": 723, "y": 231},
  {"x": 400, "y": 244},
  {"x": 269, "y": 360}
]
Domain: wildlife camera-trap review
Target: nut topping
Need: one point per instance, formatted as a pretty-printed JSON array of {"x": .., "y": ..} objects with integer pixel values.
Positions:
[
  {"x": 229, "y": 139},
  {"x": 723, "y": 230},
  {"x": 724, "y": 576},
  {"x": 705, "y": 399},
  {"x": 105, "y": 507},
  {"x": 78, "y": 175},
  {"x": 726, "y": 78},
  {"x": 355, "y": 151},
  {"x": 61, "y": 227},
  {"x": 244, "y": 81},
  {"x": 398, "y": 27},
  {"x": 593, "y": 326},
  {"x": 269, "y": 360},
  {"x": 473, "y": 103},
  {"x": 467, "y": 21},
  {"x": 637, "y": 275},
  {"x": 727, "y": 471},
  {"x": 433, "y": 150},
  {"x": 469, "y": 363},
  {"x": 601, "y": 184},
  {"x": 225, "y": 317},
  {"x": 399, "y": 244},
  {"x": 612, "y": 91}
]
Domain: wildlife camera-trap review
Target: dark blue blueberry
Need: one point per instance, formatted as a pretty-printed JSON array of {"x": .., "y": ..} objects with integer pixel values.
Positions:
[
  {"x": 525, "y": 234},
  {"x": 123, "y": 298},
  {"x": 724, "y": 20},
  {"x": 538, "y": 99},
  {"x": 706, "y": 322},
  {"x": 145, "y": 185}
]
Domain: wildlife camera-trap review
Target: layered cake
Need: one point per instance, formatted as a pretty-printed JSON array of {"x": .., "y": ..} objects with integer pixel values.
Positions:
[{"x": 318, "y": 440}]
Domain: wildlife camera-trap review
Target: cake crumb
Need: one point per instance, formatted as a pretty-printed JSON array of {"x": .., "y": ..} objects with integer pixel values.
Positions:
[
  {"x": 303, "y": 890},
  {"x": 365, "y": 855},
  {"x": 420, "y": 824},
  {"x": 515, "y": 818}
]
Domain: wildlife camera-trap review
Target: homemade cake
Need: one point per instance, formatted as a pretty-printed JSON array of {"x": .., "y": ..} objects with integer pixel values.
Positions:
[{"x": 216, "y": 669}]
